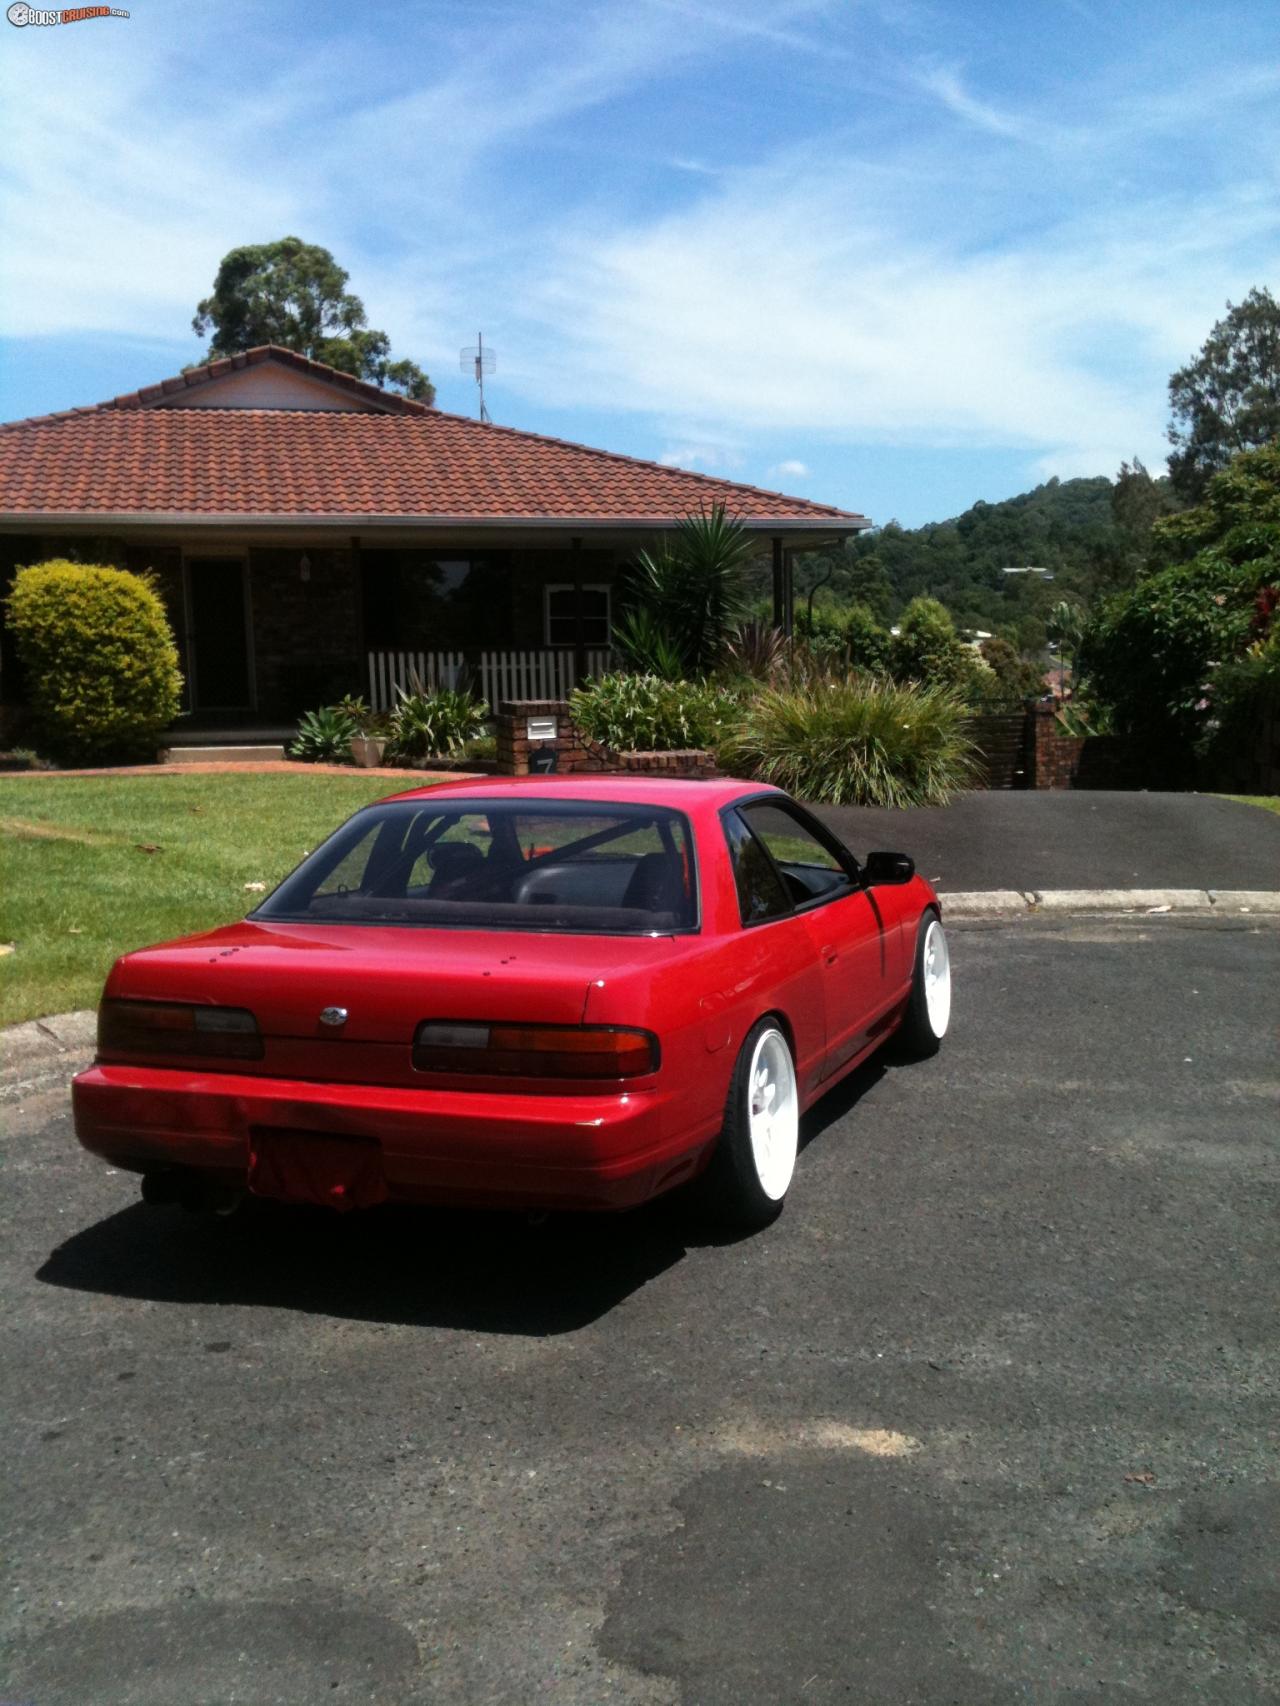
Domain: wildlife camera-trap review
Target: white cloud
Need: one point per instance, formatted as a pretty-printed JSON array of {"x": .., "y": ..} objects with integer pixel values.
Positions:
[
  {"x": 703, "y": 458},
  {"x": 791, "y": 469},
  {"x": 779, "y": 304},
  {"x": 946, "y": 85}
]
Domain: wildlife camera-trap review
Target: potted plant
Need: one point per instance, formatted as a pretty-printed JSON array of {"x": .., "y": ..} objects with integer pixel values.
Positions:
[{"x": 368, "y": 743}]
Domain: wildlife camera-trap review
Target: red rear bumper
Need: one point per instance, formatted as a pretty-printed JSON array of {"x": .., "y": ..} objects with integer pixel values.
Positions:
[{"x": 577, "y": 1152}]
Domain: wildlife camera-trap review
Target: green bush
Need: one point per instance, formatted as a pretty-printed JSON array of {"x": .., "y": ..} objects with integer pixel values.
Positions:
[
  {"x": 642, "y": 713},
  {"x": 1013, "y": 679},
  {"x": 434, "y": 721},
  {"x": 325, "y": 736},
  {"x": 849, "y": 634},
  {"x": 1161, "y": 655},
  {"x": 856, "y": 742},
  {"x": 99, "y": 659},
  {"x": 927, "y": 648}
]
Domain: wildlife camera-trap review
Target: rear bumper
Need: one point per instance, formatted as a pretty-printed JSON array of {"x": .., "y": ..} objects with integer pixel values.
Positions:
[{"x": 578, "y": 1152}]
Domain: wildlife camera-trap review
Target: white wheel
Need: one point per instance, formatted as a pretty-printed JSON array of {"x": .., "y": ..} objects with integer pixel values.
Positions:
[
  {"x": 751, "y": 1167},
  {"x": 935, "y": 968},
  {"x": 773, "y": 1113},
  {"x": 928, "y": 1009}
]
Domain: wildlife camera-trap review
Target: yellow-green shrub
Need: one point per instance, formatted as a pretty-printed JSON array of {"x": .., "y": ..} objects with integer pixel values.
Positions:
[{"x": 99, "y": 659}]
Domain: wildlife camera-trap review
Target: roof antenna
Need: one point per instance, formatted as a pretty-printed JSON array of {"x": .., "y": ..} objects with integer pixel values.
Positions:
[{"x": 477, "y": 360}]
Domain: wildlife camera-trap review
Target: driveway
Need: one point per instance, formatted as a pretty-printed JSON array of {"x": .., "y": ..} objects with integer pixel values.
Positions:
[
  {"x": 988, "y": 1416},
  {"x": 1073, "y": 840}
]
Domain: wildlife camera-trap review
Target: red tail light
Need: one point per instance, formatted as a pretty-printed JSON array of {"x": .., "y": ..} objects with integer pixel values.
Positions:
[
  {"x": 534, "y": 1051},
  {"x": 167, "y": 1027}
]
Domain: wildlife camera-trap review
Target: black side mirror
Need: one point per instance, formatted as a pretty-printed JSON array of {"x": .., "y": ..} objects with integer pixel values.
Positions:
[{"x": 880, "y": 868}]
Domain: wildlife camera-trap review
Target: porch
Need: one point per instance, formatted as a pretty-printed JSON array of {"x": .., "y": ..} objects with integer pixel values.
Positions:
[{"x": 266, "y": 633}]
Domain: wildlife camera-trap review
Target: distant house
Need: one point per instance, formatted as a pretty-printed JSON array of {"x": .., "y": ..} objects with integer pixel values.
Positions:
[
  {"x": 1029, "y": 569},
  {"x": 314, "y": 535}
]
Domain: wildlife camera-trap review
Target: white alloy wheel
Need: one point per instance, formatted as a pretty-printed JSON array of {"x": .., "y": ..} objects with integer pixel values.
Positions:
[
  {"x": 773, "y": 1113},
  {"x": 935, "y": 966}
]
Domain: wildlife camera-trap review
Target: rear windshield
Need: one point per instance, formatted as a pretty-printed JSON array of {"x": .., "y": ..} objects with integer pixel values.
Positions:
[{"x": 564, "y": 865}]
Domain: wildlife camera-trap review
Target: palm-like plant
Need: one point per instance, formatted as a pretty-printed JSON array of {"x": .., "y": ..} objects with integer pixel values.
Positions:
[
  {"x": 1065, "y": 626},
  {"x": 692, "y": 589}
]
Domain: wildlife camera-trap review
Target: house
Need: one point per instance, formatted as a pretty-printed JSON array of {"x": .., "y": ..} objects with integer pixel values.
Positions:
[{"x": 314, "y": 535}]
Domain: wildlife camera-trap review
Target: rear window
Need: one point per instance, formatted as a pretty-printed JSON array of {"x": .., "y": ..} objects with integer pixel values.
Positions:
[{"x": 566, "y": 865}]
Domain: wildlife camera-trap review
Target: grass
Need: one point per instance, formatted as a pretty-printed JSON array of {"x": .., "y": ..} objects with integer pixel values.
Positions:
[
  {"x": 94, "y": 866},
  {"x": 1268, "y": 802}
]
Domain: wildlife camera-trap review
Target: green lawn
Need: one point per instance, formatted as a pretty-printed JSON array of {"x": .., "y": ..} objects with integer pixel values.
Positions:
[
  {"x": 78, "y": 884},
  {"x": 1268, "y": 802}
]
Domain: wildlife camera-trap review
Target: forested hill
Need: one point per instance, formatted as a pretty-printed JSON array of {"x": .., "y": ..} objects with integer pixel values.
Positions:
[{"x": 1066, "y": 526}]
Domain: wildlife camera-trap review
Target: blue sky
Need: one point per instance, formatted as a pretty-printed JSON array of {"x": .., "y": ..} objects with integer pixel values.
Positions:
[{"x": 895, "y": 256}]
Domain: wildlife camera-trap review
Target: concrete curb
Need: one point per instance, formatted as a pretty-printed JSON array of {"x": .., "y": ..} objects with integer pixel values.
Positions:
[
  {"x": 1013, "y": 903},
  {"x": 39, "y": 1054}
]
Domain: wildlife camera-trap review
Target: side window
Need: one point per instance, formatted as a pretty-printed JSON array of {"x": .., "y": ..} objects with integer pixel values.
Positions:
[
  {"x": 760, "y": 891},
  {"x": 810, "y": 868},
  {"x": 347, "y": 876}
]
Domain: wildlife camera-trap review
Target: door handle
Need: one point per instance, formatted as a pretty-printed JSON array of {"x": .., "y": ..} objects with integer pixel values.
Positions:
[{"x": 830, "y": 955}]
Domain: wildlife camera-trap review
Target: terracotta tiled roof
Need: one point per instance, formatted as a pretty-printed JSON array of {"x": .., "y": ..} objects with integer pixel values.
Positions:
[
  {"x": 362, "y": 394},
  {"x": 124, "y": 460}
]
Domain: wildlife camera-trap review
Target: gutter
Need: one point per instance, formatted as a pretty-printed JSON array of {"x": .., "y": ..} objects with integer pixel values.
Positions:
[{"x": 24, "y": 520}]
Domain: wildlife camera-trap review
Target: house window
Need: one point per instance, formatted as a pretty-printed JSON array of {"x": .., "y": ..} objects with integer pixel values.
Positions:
[{"x": 561, "y": 608}]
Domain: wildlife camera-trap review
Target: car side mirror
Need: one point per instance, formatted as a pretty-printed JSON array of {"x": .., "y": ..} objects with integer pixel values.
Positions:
[{"x": 884, "y": 868}]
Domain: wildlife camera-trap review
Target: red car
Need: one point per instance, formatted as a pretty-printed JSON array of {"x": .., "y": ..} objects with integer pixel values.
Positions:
[{"x": 566, "y": 993}]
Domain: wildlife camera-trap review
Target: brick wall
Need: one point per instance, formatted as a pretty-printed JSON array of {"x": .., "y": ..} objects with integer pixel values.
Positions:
[
  {"x": 1001, "y": 740},
  {"x": 1054, "y": 758},
  {"x": 575, "y": 754},
  {"x": 307, "y": 634}
]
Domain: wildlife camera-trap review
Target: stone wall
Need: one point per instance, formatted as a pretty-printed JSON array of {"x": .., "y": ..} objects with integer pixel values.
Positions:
[{"x": 575, "y": 754}]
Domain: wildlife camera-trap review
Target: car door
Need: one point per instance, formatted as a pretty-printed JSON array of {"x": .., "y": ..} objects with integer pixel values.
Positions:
[
  {"x": 773, "y": 963},
  {"x": 849, "y": 934}
]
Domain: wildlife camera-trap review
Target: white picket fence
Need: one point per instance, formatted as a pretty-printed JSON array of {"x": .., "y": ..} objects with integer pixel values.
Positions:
[{"x": 494, "y": 675}]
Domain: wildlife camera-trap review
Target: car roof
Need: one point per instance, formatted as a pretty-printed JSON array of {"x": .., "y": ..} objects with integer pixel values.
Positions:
[{"x": 679, "y": 793}]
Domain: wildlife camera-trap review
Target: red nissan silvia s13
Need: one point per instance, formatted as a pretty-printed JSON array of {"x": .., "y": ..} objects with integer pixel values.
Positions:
[{"x": 562, "y": 992}]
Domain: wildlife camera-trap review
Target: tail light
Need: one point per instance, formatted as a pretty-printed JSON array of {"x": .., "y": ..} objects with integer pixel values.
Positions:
[
  {"x": 534, "y": 1051},
  {"x": 167, "y": 1027}
]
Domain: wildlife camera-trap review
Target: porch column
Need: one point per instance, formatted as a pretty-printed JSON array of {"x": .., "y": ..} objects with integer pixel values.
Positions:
[
  {"x": 783, "y": 590},
  {"x": 579, "y": 638}
]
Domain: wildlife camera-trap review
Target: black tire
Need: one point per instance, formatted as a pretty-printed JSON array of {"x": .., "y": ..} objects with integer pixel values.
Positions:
[
  {"x": 919, "y": 1036},
  {"x": 732, "y": 1191}
]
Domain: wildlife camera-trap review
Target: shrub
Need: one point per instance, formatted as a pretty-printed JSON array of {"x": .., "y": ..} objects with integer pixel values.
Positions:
[
  {"x": 1013, "y": 678},
  {"x": 858, "y": 742},
  {"x": 325, "y": 736},
  {"x": 927, "y": 648},
  {"x": 99, "y": 659},
  {"x": 439, "y": 720},
  {"x": 642, "y": 713},
  {"x": 849, "y": 634},
  {"x": 1155, "y": 654}
]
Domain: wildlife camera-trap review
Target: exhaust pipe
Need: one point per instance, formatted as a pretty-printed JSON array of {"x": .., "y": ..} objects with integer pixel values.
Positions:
[{"x": 197, "y": 1195}]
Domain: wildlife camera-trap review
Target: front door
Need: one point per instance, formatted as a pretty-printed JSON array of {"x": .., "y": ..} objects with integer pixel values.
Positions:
[{"x": 218, "y": 634}]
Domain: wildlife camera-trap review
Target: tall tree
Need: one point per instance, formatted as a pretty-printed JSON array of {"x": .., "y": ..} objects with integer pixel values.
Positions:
[
  {"x": 1227, "y": 399},
  {"x": 295, "y": 294}
]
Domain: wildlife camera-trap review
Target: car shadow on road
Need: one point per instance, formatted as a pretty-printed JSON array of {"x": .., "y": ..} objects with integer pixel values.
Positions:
[
  {"x": 839, "y": 1103},
  {"x": 485, "y": 1272},
  {"x": 481, "y": 1271}
]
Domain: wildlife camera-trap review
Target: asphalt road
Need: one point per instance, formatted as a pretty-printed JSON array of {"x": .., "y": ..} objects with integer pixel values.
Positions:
[
  {"x": 989, "y": 1416},
  {"x": 1071, "y": 840}
]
